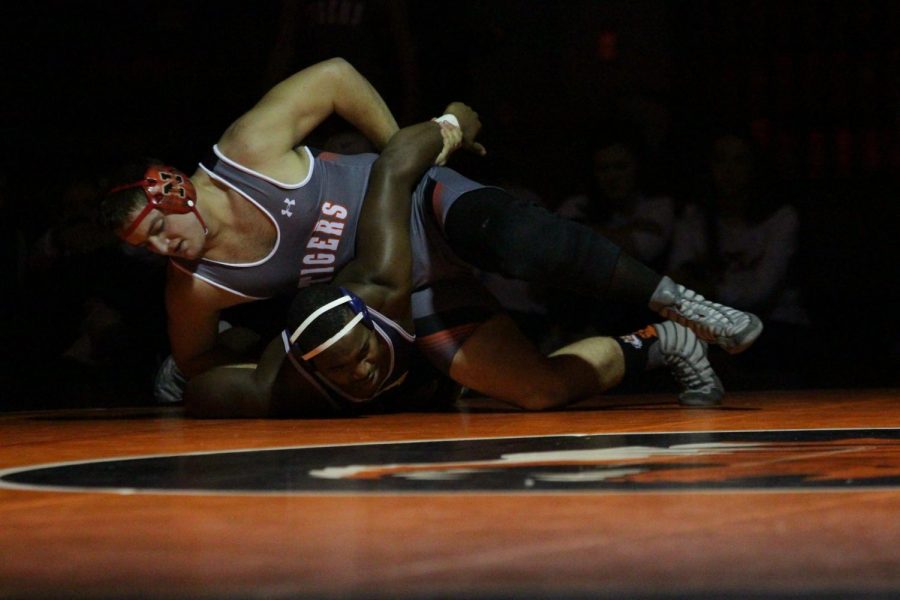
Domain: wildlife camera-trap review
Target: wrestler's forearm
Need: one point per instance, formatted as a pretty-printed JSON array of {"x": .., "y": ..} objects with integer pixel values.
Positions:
[
  {"x": 360, "y": 104},
  {"x": 410, "y": 152},
  {"x": 383, "y": 252},
  {"x": 226, "y": 392},
  {"x": 192, "y": 365},
  {"x": 237, "y": 390}
]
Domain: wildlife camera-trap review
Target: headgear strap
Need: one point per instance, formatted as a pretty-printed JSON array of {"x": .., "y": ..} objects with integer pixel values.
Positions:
[
  {"x": 168, "y": 190},
  {"x": 358, "y": 307},
  {"x": 330, "y": 341}
]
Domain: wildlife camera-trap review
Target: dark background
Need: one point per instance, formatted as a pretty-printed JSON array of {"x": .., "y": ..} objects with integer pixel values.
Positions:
[{"x": 86, "y": 84}]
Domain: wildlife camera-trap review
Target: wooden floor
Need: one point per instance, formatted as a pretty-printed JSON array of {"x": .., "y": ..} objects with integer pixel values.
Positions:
[{"x": 833, "y": 542}]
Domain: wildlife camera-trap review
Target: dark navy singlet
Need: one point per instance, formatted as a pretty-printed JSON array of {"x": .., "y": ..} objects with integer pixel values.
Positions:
[{"x": 400, "y": 346}]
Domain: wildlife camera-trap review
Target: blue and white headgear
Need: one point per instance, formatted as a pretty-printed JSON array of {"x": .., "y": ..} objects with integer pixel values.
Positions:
[{"x": 361, "y": 314}]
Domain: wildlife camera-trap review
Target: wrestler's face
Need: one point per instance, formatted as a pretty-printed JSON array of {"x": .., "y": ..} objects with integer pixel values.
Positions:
[
  {"x": 170, "y": 235},
  {"x": 357, "y": 363}
]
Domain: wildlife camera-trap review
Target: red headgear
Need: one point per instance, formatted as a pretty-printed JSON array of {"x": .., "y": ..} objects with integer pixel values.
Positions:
[{"x": 168, "y": 190}]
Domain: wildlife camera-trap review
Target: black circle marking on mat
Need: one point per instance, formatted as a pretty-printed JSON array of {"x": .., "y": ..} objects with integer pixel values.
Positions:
[{"x": 841, "y": 459}]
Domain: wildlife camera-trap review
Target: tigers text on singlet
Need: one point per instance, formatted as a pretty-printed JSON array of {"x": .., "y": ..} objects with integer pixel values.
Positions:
[{"x": 315, "y": 220}]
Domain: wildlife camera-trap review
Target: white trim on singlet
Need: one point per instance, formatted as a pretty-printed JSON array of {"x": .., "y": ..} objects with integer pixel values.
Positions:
[
  {"x": 214, "y": 283},
  {"x": 263, "y": 210},
  {"x": 291, "y": 186}
]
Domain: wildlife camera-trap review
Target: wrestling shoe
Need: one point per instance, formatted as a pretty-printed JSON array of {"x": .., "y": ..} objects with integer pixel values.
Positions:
[
  {"x": 685, "y": 355},
  {"x": 169, "y": 383},
  {"x": 732, "y": 329}
]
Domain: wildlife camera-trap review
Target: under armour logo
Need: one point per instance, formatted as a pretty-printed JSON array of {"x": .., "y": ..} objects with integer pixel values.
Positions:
[{"x": 287, "y": 209}]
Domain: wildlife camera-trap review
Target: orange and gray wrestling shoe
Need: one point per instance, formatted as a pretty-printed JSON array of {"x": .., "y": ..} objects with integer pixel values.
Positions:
[
  {"x": 685, "y": 355},
  {"x": 732, "y": 329}
]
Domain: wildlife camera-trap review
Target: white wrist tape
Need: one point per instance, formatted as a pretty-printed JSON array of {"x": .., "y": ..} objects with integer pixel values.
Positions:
[{"x": 447, "y": 118}]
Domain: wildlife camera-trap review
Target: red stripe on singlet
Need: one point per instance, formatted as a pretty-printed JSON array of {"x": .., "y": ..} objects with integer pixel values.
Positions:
[
  {"x": 447, "y": 336},
  {"x": 437, "y": 197}
]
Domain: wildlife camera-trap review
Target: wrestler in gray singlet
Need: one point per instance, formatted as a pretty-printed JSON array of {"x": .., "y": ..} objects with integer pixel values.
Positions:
[{"x": 316, "y": 221}]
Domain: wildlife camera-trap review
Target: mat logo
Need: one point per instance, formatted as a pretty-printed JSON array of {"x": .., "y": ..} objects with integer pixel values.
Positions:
[
  {"x": 712, "y": 464},
  {"x": 771, "y": 460}
]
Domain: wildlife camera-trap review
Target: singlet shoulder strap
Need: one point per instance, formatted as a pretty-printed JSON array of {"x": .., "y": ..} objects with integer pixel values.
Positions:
[{"x": 209, "y": 160}]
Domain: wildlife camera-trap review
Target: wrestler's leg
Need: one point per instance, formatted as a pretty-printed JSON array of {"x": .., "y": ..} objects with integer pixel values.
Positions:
[
  {"x": 494, "y": 231},
  {"x": 499, "y": 361}
]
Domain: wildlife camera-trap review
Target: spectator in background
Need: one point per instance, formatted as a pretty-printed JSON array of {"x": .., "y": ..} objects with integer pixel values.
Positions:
[
  {"x": 738, "y": 243},
  {"x": 615, "y": 202},
  {"x": 372, "y": 35}
]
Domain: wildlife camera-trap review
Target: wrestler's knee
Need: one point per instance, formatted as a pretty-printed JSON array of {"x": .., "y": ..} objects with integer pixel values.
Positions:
[
  {"x": 543, "y": 397},
  {"x": 483, "y": 225},
  {"x": 498, "y": 361},
  {"x": 539, "y": 387}
]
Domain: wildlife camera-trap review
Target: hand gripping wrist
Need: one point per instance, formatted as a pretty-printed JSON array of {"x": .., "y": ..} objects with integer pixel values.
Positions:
[
  {"x": 451, "y": 134},
  {"x": 447, "y": 118}
]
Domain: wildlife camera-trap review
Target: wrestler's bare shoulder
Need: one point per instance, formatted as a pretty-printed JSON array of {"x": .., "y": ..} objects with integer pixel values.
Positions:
[{"x": 288, "y": 166}]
